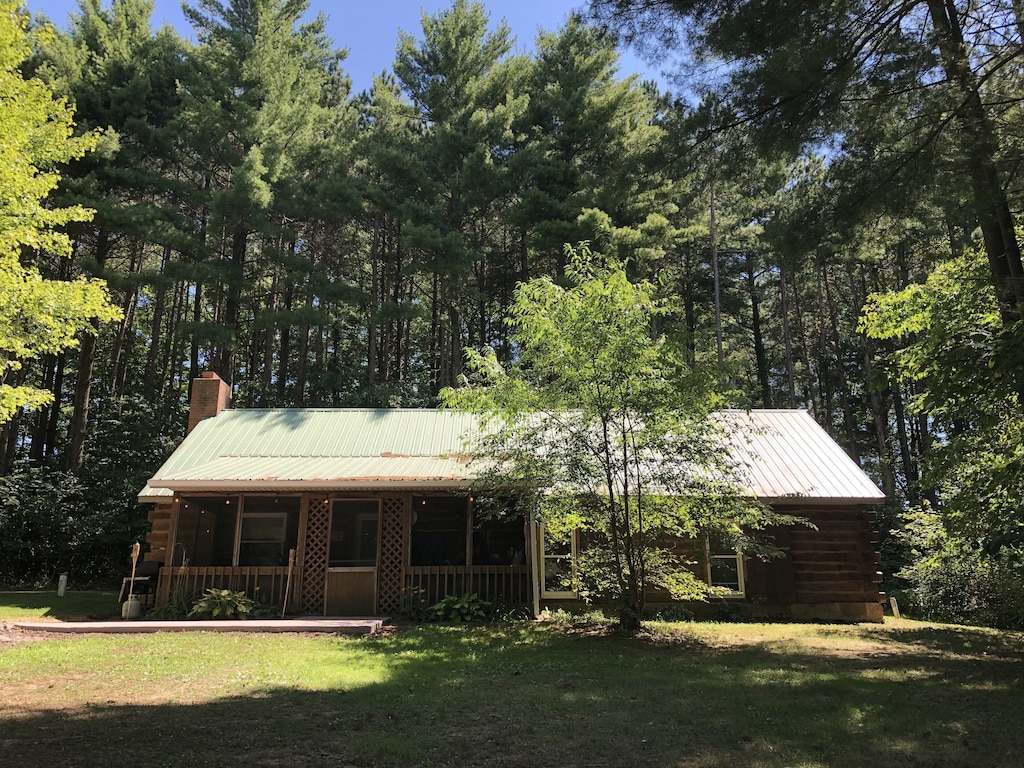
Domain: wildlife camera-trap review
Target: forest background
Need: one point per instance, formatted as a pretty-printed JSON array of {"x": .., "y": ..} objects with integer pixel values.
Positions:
[{"x": 829, "y": 207}]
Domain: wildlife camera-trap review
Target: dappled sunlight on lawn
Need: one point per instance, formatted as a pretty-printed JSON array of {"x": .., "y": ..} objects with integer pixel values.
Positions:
[{"x": 495, "y": 695}]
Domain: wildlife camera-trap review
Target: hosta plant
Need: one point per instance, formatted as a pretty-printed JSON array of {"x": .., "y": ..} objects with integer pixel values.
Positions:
[{"x": 223, "y": 604}]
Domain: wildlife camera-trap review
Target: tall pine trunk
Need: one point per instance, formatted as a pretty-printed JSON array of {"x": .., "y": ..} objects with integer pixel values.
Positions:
[{"x": 979, "y": 142}]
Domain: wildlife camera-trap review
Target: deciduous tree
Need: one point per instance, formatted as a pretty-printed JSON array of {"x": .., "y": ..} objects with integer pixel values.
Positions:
[
  {"x": 37, "y": 316},
  {"x": 606, "y": 431}
]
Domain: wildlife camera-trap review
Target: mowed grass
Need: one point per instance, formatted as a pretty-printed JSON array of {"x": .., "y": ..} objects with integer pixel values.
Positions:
[
  {"x": 899, "y": 694},
  {"x": 31, "y": 605}
]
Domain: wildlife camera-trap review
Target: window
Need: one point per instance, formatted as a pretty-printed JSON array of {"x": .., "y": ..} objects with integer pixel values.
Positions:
[
  {"x": 354, "y": 530},
  {"x": 725, "y": 565},
  {"x": 439, "y": 525},
  {"x": 499, "y": 541},
  {"x": 263, "y": 538},
  {"x": 557, "y": 564},
  {"x": 207, "y": 526},
  {"x": 233, "y": 530},
  {"x": 268, "y": 529}
]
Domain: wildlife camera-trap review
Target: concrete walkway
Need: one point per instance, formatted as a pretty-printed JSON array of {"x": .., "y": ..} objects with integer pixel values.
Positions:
[{"x": 339, "y": 626}]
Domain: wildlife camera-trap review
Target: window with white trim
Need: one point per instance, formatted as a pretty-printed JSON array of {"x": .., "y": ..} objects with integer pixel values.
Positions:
[
  {"x": 558, "y": 564},
  {"x": 725, "y": 565}
]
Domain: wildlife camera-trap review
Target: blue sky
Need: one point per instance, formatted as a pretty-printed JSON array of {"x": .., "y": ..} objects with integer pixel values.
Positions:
[{"x": 369, "y": 29}]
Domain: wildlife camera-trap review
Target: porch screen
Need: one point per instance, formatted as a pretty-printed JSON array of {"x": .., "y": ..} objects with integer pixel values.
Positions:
[
  {"x": 354, "y": 531},
  {"x": 270, "y": 527},
  {"x": 439, "y": 526},
  {"x": 232, "y": 530},
  {"x": 206, "y": 530}
]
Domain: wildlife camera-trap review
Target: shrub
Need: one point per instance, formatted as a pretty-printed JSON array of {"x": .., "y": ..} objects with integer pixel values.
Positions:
[
  {"x": 674, "y": 613},
  {"x": 176, "y": 607},
  {"x": 953, "y": 579},
  {"x": 563, "y": 618},
  {"x": 223, "y": 604},
  {"x": 460, "y": 608}
]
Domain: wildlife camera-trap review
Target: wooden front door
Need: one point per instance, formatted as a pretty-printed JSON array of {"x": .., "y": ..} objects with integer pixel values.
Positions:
[{"x": 351, "y": 588}]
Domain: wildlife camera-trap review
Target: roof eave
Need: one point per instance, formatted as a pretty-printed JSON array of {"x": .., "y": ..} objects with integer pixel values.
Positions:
[
  {"x": 305, "y": 486},
  {"x": 830, "y": 500}
]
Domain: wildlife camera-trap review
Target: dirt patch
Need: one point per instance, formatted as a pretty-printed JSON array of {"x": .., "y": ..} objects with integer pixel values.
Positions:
[{"x": 10, "y": 635}]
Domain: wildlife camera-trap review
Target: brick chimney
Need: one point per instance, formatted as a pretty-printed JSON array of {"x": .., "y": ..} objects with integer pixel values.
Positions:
[{"x": 210, "y": 396}]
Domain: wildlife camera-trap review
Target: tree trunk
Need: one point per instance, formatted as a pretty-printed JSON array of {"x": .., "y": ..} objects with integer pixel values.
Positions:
[
  {"x": 284, "y": 354},
  {"x": 910, "y": 470},
  {"x": 39, "y": 444},
  {"x": 718, "y": 282},
  {"x": 270, "y": 330},
  {"x": 805, "y": 356},
  {"x": 371, "y": 321},
  {"x": 227, "y": 354},
  {"x": 10, "y": 433},
  {"x": 760, "y": 356},
  {"x": 787, "y": 339},
  {"x": 53, "y": 423},
  {"x": 86, "y": 362},
  {"x": 980, "y": 144},
  {"x": 844, "y": 385},
  {"x": 83, "y": 391},
  {"x": 149, "y": 386}
]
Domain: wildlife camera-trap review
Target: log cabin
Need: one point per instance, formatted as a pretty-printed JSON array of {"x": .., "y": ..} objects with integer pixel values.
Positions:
[{"x": 376, "y": 505}]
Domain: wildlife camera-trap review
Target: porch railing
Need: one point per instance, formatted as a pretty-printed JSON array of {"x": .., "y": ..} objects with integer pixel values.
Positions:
[
  {"x": 265, "y": 584},
  {"x": 503, "y": 584}
]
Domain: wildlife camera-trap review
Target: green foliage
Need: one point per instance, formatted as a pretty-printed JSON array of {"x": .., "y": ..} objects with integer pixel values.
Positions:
[
  {"x": 674, "y": 613},
  {"x": 727, "y": 611},
  {"x": 950, "y": 339},
  {"x": 44, "y": 523},
  {"x": 37, "y": 316},
  {"x": 177, "y": 607},
  {"x": 52, "y": 521},
  {"x": 602, "y": 428},
  {"x": 462, "y": 608},
  {"x": 953, "y": 579},
  {"x": 563, "y": 618},
  {"x": 223, "y": 604}
]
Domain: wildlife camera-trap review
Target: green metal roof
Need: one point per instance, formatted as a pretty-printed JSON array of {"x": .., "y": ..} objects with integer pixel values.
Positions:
[
  {"x": 781, "y": 454},
  {"x": 322, "y": 449}
]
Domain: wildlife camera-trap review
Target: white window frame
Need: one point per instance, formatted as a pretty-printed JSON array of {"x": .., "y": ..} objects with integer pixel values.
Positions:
[
  {"x": 240, "y": 525},
  {"x": 544, "y": 557},
  {"x": 737, "y": 556}
]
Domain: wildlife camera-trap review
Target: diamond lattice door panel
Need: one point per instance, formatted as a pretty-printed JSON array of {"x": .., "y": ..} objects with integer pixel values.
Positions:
[
  {"x": 314, "y": 576},
  {"x": 391, "y": 569}
]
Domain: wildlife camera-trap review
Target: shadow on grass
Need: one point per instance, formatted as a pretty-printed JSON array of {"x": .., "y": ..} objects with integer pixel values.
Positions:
[
  {"x": 962, "y": 641},
  {"x": 515, "y": 696},
  {"x": 74, "y": 606}
]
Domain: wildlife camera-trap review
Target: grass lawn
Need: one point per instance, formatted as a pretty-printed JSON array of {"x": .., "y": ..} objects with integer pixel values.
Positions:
[
  {"x": 74, "y": 606},
  {"x": 899, "y": 694}
]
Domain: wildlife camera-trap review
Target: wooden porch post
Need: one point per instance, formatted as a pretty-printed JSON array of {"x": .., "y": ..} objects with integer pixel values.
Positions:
[
  {"x": 166, "y": 575},
  {"x": 536, "y": 550}
]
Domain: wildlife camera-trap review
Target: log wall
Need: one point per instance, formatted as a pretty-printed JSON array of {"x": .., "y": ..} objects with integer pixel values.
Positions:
[
  {"x": 831, "y": 571},
  {"x": 159, "y": 534}
]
